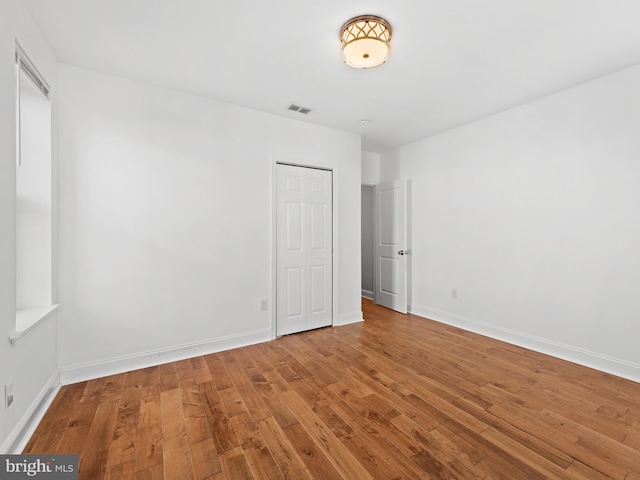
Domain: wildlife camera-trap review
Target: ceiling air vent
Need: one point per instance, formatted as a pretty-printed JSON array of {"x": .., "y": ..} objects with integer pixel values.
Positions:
[{"x": 299, "y": 109}]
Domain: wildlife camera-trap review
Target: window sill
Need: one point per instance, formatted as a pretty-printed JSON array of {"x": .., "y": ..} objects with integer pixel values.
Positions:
[{"x": 27, "y": 319}]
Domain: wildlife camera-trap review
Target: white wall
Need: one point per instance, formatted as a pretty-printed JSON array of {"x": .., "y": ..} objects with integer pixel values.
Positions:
[
  {"x": 532, "y": 214},
  {"x": 32, "y": 362},
  {"x": 370, "y": 168},
  {"x": 166, "y": 226}
]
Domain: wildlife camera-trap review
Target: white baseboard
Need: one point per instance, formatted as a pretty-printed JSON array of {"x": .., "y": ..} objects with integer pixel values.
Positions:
[
  {"x": 367, "y": 294},
  {"x": 604, "y": 363},
  {"x": 349, "y": 318},
  {"x": 127, "y": 363},
  {"x": 23, "y": 431}
]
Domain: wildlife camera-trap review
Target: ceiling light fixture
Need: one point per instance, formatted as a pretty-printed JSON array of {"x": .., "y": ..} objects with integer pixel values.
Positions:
[{"x": 365, "y": 41}]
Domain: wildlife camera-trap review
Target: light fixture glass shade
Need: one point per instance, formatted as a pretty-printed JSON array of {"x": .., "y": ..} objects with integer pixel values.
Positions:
[{"x": 365, "y": 41}]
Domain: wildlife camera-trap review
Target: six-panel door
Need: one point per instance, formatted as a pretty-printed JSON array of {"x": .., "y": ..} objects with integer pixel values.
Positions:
[{"x": 304, "y": 272}]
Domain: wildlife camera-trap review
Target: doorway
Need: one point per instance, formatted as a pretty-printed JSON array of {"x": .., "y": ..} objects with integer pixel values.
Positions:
[
  {"x": 385, "y": 242},
  {"x": 366, "y": 228},
  {"x": 304, "y": 248}
]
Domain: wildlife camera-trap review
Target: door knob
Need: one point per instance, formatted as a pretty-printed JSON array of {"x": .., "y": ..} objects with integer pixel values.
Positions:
[{"x": 403, "y": 252}]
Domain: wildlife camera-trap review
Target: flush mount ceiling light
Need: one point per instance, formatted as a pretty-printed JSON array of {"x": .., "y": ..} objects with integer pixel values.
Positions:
[{"x": 365, "y": 41}]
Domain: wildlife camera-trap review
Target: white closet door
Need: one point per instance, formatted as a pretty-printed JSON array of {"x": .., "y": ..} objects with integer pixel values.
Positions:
[{"x": 304, "y": 249}]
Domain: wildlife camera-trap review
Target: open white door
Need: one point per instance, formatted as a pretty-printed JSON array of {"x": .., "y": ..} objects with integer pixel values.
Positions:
[
  {"x": 304, "y": 263},
  {"x": 390, "y": 239}
]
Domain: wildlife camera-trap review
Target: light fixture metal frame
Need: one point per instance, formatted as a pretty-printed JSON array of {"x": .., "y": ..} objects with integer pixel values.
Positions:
[{"x": 375, "y": 28}]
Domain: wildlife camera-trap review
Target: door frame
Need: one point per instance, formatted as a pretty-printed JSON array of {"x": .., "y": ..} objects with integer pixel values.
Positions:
[{"x": 275, "y": 161}]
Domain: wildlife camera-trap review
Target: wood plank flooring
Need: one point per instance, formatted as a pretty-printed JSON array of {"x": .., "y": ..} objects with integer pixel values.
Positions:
[{"x": 395, "y": 397}]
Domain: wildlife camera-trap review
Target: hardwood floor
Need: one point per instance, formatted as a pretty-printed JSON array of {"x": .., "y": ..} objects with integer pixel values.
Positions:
[{"x": 395, "y": 397}]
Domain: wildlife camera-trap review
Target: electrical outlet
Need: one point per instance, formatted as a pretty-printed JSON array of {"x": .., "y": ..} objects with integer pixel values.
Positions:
[
  {"x": 454, "y": 293},
  {"x": 264, "y": 304},
  {"x": 8, "y": 393}
]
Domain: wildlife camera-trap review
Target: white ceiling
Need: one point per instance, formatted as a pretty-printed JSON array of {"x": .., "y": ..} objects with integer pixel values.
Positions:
[{"x": 453, "y": 61}]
